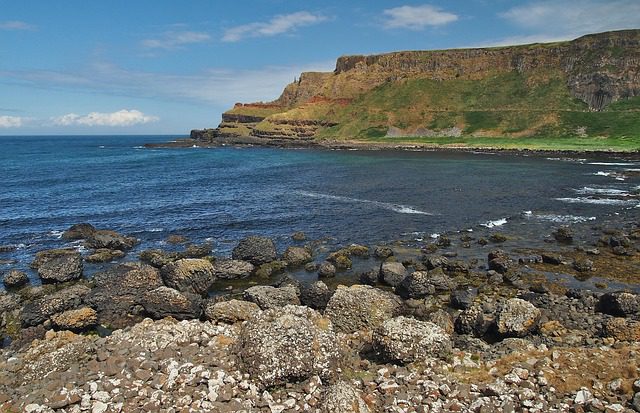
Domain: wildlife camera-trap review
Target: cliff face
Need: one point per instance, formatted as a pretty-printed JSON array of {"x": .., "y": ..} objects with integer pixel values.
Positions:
[{"x": 519, "y": 91}]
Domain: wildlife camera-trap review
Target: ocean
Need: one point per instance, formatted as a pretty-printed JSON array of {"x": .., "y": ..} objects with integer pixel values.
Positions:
[{"x": 221, "y": 195}]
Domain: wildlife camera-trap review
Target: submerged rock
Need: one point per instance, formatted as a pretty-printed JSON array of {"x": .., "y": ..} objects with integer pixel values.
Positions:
[
  {"x": 326, "y": 270},
  {"x": 104, "y": 255},
  {"x": 288, "y": 344},
  {"x": 564, "y": 235},
  {"x": 382, "y": 252},
  {"x": 256, "y": 250},
  {"x": 191, "y": 275},
  {"x": 407, "y": 340}
]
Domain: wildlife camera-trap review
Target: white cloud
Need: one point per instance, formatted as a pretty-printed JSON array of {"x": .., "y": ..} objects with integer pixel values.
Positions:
[
  {"x": 569, "y": 19},
  {"x": 16, "y": 25},
  {"x": 122, "y": 117},
  {"x": 173, "y": 40},
  {"x": 277, "y": 25},
  {"x": 417, "y": 17},
  {"x": 10, "y": 121}
]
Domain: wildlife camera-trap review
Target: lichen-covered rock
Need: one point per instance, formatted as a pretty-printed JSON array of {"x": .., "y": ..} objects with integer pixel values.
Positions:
[
  {"x": 619, "y": 303},
  {"x": 75, "y": 320},
  {"x": 256, "y": 250},
  {"x": 361, "y": 307},
  {"x": 392, "y": 273},
  {"x": 15, "y": 279},
  {"x": 326, "y": 270},
  {"x": 316, "y": 295},
  {"x": 190, "y": 275},
  {"x": 342, "y": 398},
  {"x": 104, "y": 255},
  {"x": 110, "y": 240},
  {"x": 622, "y": 329},
  {"x": 232, "y": 269},
  {"x": 60, "y": 265},
  {"x": 267, "y": 296},
  {"x": 288, "y": 344},
  {"x": 517, "y": 318},
  {"x": 419, "y": 284},
  {"x": 269, "y": 269},
  {"x": 79, "y": 231},
  {"x": 407, "y": 340},
  {"x": 231, "y": 311},
  {"x": 168, "y": 302},
  {"x": 41, "y": 309},
  {"x": 297, "y": 256}
]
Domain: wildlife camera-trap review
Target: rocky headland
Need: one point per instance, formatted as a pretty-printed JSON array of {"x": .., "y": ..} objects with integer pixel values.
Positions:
[{"x": 380, "y": 328}]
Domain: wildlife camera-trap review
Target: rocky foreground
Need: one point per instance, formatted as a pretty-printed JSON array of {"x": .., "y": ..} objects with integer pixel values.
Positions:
[{"x": 415, "y": 335}]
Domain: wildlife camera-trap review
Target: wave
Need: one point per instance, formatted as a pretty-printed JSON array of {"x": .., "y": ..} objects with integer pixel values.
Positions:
[
  {"x": 601, "y": 191},
  {"x": 614, "y": 163},
  {"x": 56, "y": 234},
  {"x": 138, "y": 147},
  {"x": 401, "y": 209},
  {"x": 496, "y": 223},
  {"x": 599, "y": 201},
  {"x": 564, "y": 219},
  {"x": 576, "y": 160}
]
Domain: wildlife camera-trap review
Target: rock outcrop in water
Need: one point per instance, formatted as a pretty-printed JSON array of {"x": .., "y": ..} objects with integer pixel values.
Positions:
[{"x": 566, "y": 88}]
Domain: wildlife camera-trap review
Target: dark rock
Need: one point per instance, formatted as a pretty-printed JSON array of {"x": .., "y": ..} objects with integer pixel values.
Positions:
[
  {"x": 498, "y": 238},
  {"x": 269, "y": 269},
  {"x": 79, "y": 231},
  {"x": 15, "y": 279},
  {"x": 419, "y": 284},
  {"x": 158, "y": 258},
  {"x": 392, "y": 273},
  {"x": 443, "y": 241},
  {"x": 190, "y": 275},
  {"x": 382, "y": 252},
  {"x": 311, "y": 267},
  {"x": 232, "y": 269},
  {"x": 298, "y": 236},
  {"x": 531, "y": 259},
  {"x": 563, "y": 234},
  {"x": 175, "y": 239},
  {"x": 326, "y": 270},
  {"x": 59, "y": 265},
  {"x": 110, "y": 240},
  {"x": 297, "y": 256},
  {"x": 407, "y": 340},
  {"x": 550, "y": 258},
  {"x": 369, "y": 277},
  {"x": 619, "y": 303},
  {"x": 256, "y": 250},
  {"x": 583, "y": 265},
  {"x": 41, "y": 309},
  {"x": 472, "y": 321},
  {"x": 267, "y": 296},
  {"x": 167, "y": 302},
  {"x": 463, "y": 299},
  {"x": 435, "y": 262},
  {"x": 457, "y": 266},
  {"x": 104, "y": 255},
  {"x": 316, "y": 295}
]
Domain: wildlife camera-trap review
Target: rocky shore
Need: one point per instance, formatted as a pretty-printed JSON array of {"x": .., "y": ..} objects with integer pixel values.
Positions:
[{"x": 418, "y": 330}]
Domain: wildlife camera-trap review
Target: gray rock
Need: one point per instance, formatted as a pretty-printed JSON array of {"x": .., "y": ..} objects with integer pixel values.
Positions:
[
  {"x": 435, "y": 262},
  {"x": 361, "y": 307},
  {"x": 551, "y": 258},
  {"x": 41, "y": 309},
  {"x": 298, "y": 236},
  {"x": 407, "y": 340},
  {"x": 463, "y": 299},
  {"x": 79, "y": 231},
  {"x": 104, "y": 255},
  {"x": 517, "y": 318},
  {"x": 256, "y": 250},
  {"x": 619, "y": 303},
  {"x": 15, "y": 279},
  {"x": 267, "y": 296},
  {"x": 419, "y": 284},
  {"x": 342, "y": 398},
  {"x": 563, "y": 234},
  {"x": 60, "y": 265},
  {"x": 583, "y": 265},
  {"x": 288, "y": 344},
  {"x": 327, "y": 270},
  {"x": 636, "y": 402},
  {"x": 382, "y": 252},
  {"x": 231, "y": 311},
  {"x": 392, "y": 273},
  {"x": 316, "y": 295},
  {"x": 232, "y": 269},
  {"x": 110, "y": 240},
  {"x": 168, "y": 302},
  {"x": 472, "y": 321},
  {"x": 190, "y": 275},
  {"x": 297, "y": 256},
  {"x": 499, "y": 261}
]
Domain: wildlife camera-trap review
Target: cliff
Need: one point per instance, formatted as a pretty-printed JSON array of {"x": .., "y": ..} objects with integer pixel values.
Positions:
[{"x": 585, "y": 87}]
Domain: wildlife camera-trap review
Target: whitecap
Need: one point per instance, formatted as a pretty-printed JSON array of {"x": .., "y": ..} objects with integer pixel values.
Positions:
[
  {"x": 434, "y": 235},
  {"x": 573, "y": 219},
  {"x": 601, "y": 191},
  {"x": 602, "y": 173},
  {"x": 56, "y": 234},
  {"x": 138, "y": 147},
  {"x": 496, "y": 223},
  {"x": 614, "y": 163},
  {"x": 155, "y": 230},
  {"x": 101, "y": 146},
  {"x": 598, "y": 201},
  {"x": 402, "y": 209},
  {"x": 527, "y": 213}
]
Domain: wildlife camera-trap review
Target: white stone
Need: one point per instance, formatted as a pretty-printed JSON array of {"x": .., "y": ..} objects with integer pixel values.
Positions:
[
  {"x": 99, "y": 407},
  {"x": 101, "y": 396},
  {"x": 583, "y": 396}
]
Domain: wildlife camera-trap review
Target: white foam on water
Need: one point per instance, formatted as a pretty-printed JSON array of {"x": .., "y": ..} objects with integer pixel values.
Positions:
[
  {"x": 101, "y": 146},
  {"x": 138, "y": 147},
  {"x": 401, "y": 209},
  {"x": 601, "y": 191},
  {"x": 496, "y": 223},
  {"x": 598, "y": 201},
  {"x": 602, "y": 173},
  {"x": 573, "y": 219},
  {"x": 576, "y": 160},
  {"x": 155, "y": 230},
  {"x": 434, "y": 235},
  {"x": 56, "y": 234},
  {"x": 613, "y": 163}
]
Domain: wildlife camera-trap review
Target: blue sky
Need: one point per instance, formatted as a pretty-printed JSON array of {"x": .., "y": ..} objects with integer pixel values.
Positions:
[{"x": 167, "y": 66}]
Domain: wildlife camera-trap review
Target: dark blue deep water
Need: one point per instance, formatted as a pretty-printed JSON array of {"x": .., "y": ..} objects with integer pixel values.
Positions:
[{"x": 50, "y": 183}]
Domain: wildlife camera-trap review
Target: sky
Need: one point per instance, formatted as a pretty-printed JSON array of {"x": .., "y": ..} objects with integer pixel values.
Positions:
[{"x": 72, "y": 67}]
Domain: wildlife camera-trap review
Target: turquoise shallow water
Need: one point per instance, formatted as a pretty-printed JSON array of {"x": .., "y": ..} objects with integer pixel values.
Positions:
[{"x": 221, "y": 195}]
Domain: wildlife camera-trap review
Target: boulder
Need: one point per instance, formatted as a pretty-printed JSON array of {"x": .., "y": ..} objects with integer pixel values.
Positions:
[
  {"x": 392, "y": 273},
  {"x": 316, "y": 295},
  {"x": 231, "y": 311},
  {"x": 382, "y": 252},
  {"x": 563, "y": 235},
  {"x": 583, "y": 265},
  {"x": 75, "y": 320},
  {"x": 472, "y": 321},
  {"x": 342, "y": 398},
  {"x": 190, "y": 275},
  {"x": 443, "y": 320},
  {"x": 267, "y": 296},
  {"x": 419, "y": 284},
  {"x": 619, "y": 303},
  {"x": 256, "y": 250},
  {"x": 622, "y": 329},
  {"x": 297, "y": 256},
  {"x": 232, "y": 269},
  {"x": 15, "y": 279},
  {"x": 499, "y": 261},
  {"x": 407, "y": 340},
  {"x": 104, "y": 255},
  {"x": 40, "y": 310},
  {"x": 176, "y": 239},
  {"x": 110, "y": 240},
  {"x": 369, "y": 277},
  {"x": 326, "y": 270},
  {"x": 59, "y": 265},
  {"x": 361, "y": 307},
  {"x": 168, "y": 302},
  {"x": 517, "y": 318},
  {"x": 298, "y": 236},
  {"x": 463, "y": 299},
  {"x": 269, "y": 269},
  {"x": 79, "y": 231},
  {"x": 551, "y": 258},
  {"x": 435, "y": 262},
  {"x": 287, "y": 344}
]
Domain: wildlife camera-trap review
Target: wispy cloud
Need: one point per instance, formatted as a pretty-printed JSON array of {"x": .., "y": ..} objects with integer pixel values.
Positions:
[
  {"x": 173, "y": 40},
  {"x": 278, "y": 25},
  {"x": 10, "y": 121},
  {"x": 417, "y": 17},
  {"x": 122, "y": 117},
  {"x": 16, "y": 25},
  {"x": 568, "y": 19}
]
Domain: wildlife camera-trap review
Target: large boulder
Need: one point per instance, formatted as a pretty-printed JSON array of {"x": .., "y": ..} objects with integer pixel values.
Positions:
[
  {"x": 40, "y": 310},
  {"x": 316, "y": 295},
  {"x": 256, "y": 250},
  {"x": 110, "y": 240},
  {"x": 75, "y": 320},
  {"x": 297, "y": 256},
  {"x": 231, "y": 311},
  {"x": 342, "y": 398},
  {"x": 267, "y": 296},
  {"x": 517, "y": 318},
  {"x": 168, "y": 302},
  {"x": 59, "y": 265},
  {"x": 499, "y": 261},
  {"x": 472, "y": 321},
  {"x": 407, "y": 340},
  {"x": 622, "y": 329},
  {"x": 392, "y": 273},
  {"x": 361, "y": 307},
  {"x": 620, "y": 303},
  {"x": 287, "y": 344},
  {"x": 419, "y": 284},
  {"x": 79, "y": 231},
  {"x": 232, "y": 269},
  {"x": 190, "y": 275},
  {"x": 15, "y": 279}
]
